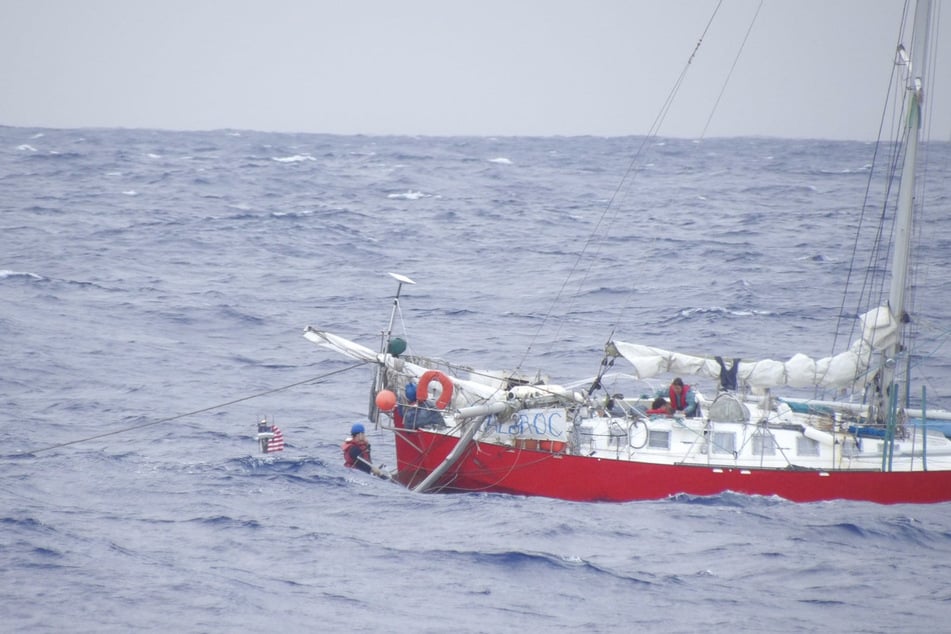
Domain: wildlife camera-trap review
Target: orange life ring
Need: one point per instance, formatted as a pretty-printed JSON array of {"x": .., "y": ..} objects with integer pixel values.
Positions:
[{"x": 422, "y": 390}]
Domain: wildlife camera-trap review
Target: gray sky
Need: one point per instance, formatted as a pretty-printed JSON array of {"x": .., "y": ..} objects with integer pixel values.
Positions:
[{"x": 811, "y": 68}]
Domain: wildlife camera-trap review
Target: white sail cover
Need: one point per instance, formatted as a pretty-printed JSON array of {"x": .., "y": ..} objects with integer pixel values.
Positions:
[{"x": 879, "y": 329}]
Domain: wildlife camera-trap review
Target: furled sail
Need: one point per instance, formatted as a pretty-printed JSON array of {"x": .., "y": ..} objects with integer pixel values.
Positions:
[
  {"x": 466, "y": 391},
  {"x": 879, "y": 329}
]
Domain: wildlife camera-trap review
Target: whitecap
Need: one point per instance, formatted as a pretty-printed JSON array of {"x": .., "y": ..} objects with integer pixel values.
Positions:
[
  {"x": 501, "y": 160},
  {"x": 151, "y": 155},
  {"x": 409, "y": 195},
  {"x": 816, "y": 257},
  {"x": 293, "y": 214},
  {"x": 687, "y": 312},
  {"x": 721, "y": 310},
  {"x": 131, "y": 192},
  {"x": 5, "y": 273},
  {"x": 26, "y": 147},
  {"x": 293, "y": 159}
]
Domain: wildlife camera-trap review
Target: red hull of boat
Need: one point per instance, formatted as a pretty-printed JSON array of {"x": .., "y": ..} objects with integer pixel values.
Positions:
[{"x": 497, "y": 469}]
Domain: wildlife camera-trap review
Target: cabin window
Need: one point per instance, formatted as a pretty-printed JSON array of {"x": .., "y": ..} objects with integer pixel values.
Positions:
[
  {"x": 807, "y": 446},
  {"x": 724, "y": 442},
  {"x": 764, "y": 445},
  {"x": 659, "y": 439}
]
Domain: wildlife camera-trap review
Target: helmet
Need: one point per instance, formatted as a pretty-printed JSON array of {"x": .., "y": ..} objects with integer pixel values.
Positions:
[
  {"x": 357, "y": 428},
  {"x": 411, "y": 392}
]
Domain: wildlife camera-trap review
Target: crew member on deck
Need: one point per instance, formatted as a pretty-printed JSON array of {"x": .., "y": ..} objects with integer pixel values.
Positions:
[
  {"x": 419, "y": 414},
  {"x": 660, "y": 407},
  {"x": 356, "y": 451},
  {"x": 683, "y": 400}
]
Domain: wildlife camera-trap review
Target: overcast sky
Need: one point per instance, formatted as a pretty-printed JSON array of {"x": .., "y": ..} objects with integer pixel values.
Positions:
[{"x": 810, "y": 68}]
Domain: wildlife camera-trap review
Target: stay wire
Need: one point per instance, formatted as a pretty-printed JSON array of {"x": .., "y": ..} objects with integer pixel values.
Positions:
[
  {"x": 726, "y": 81},
  {"x": 317, "y": 379},
  {"x": 612, "y": 205},
  {"x": 628, "y": 179}
]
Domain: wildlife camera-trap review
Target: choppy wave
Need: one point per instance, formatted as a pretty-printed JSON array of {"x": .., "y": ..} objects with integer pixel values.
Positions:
[{"x": 145, "y": 335}]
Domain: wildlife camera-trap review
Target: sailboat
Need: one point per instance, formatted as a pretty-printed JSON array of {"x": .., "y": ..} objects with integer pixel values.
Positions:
[{"x": 459, "y": 430}]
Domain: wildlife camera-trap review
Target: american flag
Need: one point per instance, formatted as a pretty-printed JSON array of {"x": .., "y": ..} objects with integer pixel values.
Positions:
[{"x": 276, "y": 443}]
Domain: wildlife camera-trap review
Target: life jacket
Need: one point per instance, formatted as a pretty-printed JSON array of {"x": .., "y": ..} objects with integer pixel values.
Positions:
[
  {"x": 679, "y": 403},
  {"x": 364, "y": 451}
]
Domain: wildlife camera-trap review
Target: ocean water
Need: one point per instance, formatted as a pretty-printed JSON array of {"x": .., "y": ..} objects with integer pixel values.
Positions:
[{"x": 155, "y": 286}]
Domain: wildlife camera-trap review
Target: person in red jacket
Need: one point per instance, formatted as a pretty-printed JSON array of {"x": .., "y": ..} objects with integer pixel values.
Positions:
[
  {"x": 660, "y": 407},
  {"x": 682, "y": 398},
  {"x": 356, "y": 451}
]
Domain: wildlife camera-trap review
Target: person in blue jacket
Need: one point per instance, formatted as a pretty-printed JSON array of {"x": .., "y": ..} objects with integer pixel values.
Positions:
[{"x": 418, "y": 415}]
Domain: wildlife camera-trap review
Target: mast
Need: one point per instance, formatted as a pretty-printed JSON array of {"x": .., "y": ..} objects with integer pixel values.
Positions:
[
  {"x": 374, "y": 411},
  {"x": 914, "y": 102}
]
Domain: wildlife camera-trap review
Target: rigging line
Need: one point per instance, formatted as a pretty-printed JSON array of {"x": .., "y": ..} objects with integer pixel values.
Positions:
[
  {"x": 317, "y": 379},
  {"x": 625, "y": 179},
  {"x": 658, "y": 121},
  {"x": 920, "y": 271},
  {"x": 867, "y": 195},
  {"x": 652, "y": 133},
  {"x": 878, "y": 251},
  {"x": 726, "y": 81}
]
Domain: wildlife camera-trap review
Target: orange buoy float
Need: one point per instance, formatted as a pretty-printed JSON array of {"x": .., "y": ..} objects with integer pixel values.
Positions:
[
  {"x": 423, "y": 389},
  {"x": 385, "y": 400}
]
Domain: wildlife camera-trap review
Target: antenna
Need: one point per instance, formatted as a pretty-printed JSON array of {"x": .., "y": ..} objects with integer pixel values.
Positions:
[
  {"x": 374, "y": 413},
  {"x": 402, "y": 279}
]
